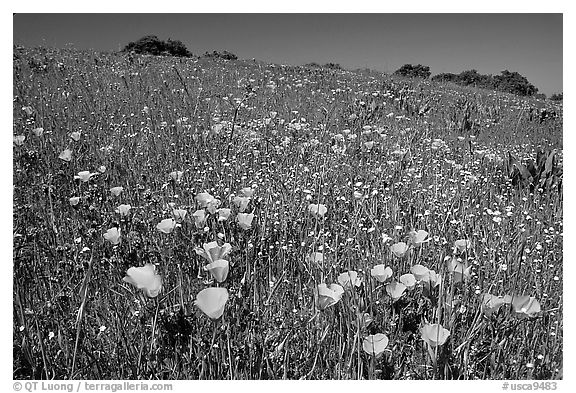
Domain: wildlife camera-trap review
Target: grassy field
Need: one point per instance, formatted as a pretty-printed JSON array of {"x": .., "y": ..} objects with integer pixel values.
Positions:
[{"x": 342, "y": 171}]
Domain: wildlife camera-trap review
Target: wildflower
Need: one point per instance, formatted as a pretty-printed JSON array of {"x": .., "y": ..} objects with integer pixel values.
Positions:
[
  {"x": 223, "y": 214},
  {"x": 19, "y": 140},
  {"x": 375, "y": 344},
  {"x": 218, "y": 269},
  {"x": 328, "y": 296},
  {"x": 462, "y": 245},
  {"x": 112, "y": 235},
  {"x": 434, "y": 334},
  {"x": 38, "y": 131},
  {"x": 319, "y": 209},
  {"x": 203, "y": 199},
  {"x": 101, "y": 169},
  {"x": 176, "y": 176},
  {"x": 28, "y": 110},
  {"x": 241, "y": 202},
  {"x": 116, "y": 190},
  {"x": 74, "y": 201},
  {"x": 145, "y": 278},
  {"x": 75, "y": 136},
  {"x": 212, "y": 301},
  {"x": 408, "y": 280},
  {"x": 66, "y": 155},
  {"x": 381, "y": 273},
  {"x": 349, "y": 279},
  {"x": 167, "y": 225},
  {"x": 399, "y": 249},
  {"x": 395, "y": 290},
  {"x": 199, "y": 218},
  {"x": 245, "y": 220},
  {"x": 525, "y": 306},
  {"x": 123, "y": 209},
  {"x": 418, "y": 237},
  {"x": 212, "y": 252},
  {"x": 368, "y": 145},
  {"x": 179, "y": 214},
  {"x": 84, "y": 176}
]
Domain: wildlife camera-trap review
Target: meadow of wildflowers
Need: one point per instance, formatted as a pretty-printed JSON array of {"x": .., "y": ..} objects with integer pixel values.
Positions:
[{"x": 213, "y": 219}]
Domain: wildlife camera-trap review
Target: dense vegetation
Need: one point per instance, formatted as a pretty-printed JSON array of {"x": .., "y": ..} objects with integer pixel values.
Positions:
[{"x": 188, "y": 218}]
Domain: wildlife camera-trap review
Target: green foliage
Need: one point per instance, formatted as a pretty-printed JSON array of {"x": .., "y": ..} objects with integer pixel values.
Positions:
[
  {"x": 557, "y": 97},
  {"x": 413, "y": 71},
  {"x": 221, "y": 55},
  {"x": 508, "y": 82},
  {"x": 152, "y": 45}
]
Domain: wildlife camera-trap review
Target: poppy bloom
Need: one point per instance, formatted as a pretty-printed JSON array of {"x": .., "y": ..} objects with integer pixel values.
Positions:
[
  {"x": 212, "y": 207},
  {"x": 116, "y": 190},
  {"x": 315, "y": 258},
  {"x": 19, "y": 140},
  {"x": 112, "y": 235},
  {"x": 460, "y": 270},
  {"x": 434, "y": 334},
  {"x": 420, "y": 272},
  {"x": 145, "y": 278},
  {"x": 66, "y": 155},
  {"x": 75, "y": 136},
  {"x": 490, "y": 303},
  {"x": 375, "y": 344},
  {"x": 212, "y": 301},
  {"x": 525, "y": 306},
  {"x": 74, "y": 201},
  {"x": 199, "y": 218},
  {"x": 247, "y": 192},
  {"x": 349, "y": 279},
  {"x": 399, "y": 249},
  {"x": 218, "y": 269},
  {"x": 245, "y": 220},
  {"x": 408, "y": 280},
  {"x": 28, "y": 110},
  {"x": 167, "y": 225},
  {"x": 84, "y": 176},
  {"x": 38, "y": 131},
  {"x": 176, "y": 176},
  {"x": 223, "y": 214},
  {"x": 241, "y": 202},
  {"x": 462, "y": 245},
  {"x": 418, "y": 237},
  {"x": 213, "y": 252},
  {"x": 203, "y": 199},
  {"x": 318, "y": 210},
  {"x": 381, "y": 273},
  {"x": 328, "y": 296},
  {"x": 123, "y": 209},
  {"x": 179, "y": 214},
  {"x": 395, "y": 290}
]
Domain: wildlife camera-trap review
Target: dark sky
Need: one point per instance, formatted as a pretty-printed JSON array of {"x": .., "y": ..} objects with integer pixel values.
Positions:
[{"x": 530, "y": 44}]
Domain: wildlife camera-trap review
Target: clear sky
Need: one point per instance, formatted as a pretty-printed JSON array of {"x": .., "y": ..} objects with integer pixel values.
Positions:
[{"x": 530, "y": 44}]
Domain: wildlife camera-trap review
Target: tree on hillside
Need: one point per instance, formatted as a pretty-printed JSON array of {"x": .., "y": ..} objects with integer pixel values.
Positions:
[
  {"x": 445, "y": 77},
  {"x": 513, "y": 82},
  {"x": 152, "y": 45},
  {"x": 413, "y": 71},
  {"x": 221, "y": 55}
]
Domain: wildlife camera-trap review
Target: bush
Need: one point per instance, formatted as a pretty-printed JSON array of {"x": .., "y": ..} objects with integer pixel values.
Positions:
[
  {"x": 445, "y": 77},
  {"x": 557, "y": 97},
  {"x": 413, "y": 71},
  {"x": 221, "y": 55},
  {"x": 152, "y": 45}
]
